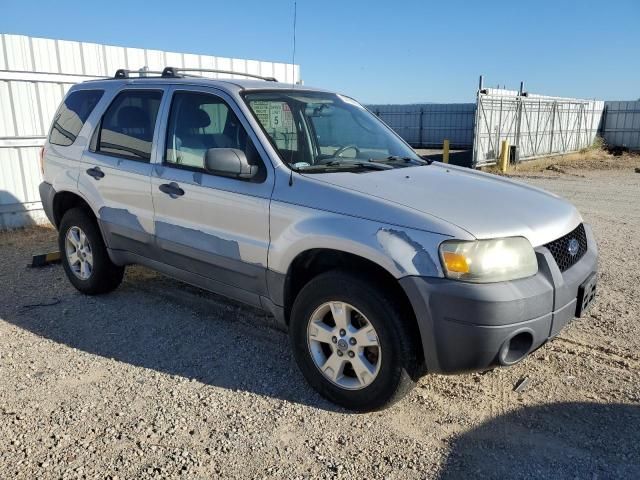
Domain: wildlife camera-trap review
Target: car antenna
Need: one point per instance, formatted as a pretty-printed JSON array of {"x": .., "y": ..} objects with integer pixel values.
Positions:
[
  {"x": 293, "y": 55},
  {"x": 291, "y": 169}
]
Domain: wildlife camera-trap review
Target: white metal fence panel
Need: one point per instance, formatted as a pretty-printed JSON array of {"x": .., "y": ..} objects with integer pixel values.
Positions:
[
  {"x": 621, "y": 124},
  {"x": 535, "y": 125},
  {"x": 35, "y": 74},
  {"x": 429, "y": 124}
]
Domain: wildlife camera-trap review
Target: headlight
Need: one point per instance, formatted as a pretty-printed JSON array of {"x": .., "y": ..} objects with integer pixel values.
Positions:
[{"x": 485, "y": 261}]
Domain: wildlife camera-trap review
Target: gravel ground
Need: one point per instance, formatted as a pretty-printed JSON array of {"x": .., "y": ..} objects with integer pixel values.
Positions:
[{"x": 159, "y": 379}]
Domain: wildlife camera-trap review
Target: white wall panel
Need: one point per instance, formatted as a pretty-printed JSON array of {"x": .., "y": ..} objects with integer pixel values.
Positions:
[
  {"x": 114, "y": 58},
  {"x": 3, "y": 62},
  {"x": 173, "y": 59},
  {"x": 50, "y": 95},
  {"x": 18, "y": 53},
  {"x": 45, "y": 55},
  {"x": 94, "y": 61},
  {"x": 279, "y": 71},
  {"x": 253, "y": 67},
  {"x": 223, "y": 64},
  {"x": 25, "y": 109},
  {"x": 70, "y": 57},
  {"x": 208, "y": 61},
  {"x": 7, "y": 124},
  {"x": 266, "y": 69},
  {"x": 155, "y": 60},
  {"x": 135, "y": 58},
  {"x": 191, "y": 60}
]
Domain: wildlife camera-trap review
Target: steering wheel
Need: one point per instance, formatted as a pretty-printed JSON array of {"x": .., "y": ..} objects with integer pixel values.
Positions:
[
  {"x": 338, "y": 153},
  {"x": 341, "y": 150}
]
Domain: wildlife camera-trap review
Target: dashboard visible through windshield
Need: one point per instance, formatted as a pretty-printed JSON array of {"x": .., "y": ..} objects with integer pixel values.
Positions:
[{"x": 316, "y": 132}]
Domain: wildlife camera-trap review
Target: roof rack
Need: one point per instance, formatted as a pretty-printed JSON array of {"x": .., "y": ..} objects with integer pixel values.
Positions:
[
  {"x": 123, "y": 73},
  {"x": 172, "y": 72}
]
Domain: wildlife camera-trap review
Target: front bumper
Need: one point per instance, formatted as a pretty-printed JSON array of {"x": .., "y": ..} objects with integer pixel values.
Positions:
[{"x": 468, "y": 326}]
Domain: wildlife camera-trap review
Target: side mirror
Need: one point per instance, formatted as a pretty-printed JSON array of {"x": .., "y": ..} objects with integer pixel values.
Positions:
[{"x": 229, "y": 162}]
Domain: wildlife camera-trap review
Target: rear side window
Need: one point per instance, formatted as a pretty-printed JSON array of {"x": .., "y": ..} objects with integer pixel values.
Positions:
[
  {"x": 128, "y": 124},
  {"x": 71, "y": 115}
]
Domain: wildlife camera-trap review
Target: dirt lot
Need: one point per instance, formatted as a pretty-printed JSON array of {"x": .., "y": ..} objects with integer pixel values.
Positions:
[{"x": 160, "y": 380}]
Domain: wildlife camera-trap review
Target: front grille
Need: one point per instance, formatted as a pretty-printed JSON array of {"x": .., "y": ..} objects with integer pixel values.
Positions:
[{"x": 560, "y": 248}]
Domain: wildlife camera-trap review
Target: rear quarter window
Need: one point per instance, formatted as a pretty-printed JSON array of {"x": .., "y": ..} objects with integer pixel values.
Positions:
[{"x": 71, "y": 115}]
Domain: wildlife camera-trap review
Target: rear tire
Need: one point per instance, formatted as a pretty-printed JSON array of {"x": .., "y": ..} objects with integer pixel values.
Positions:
[
  {"x": 376, "y": 337},
  {"x": 84, "y": 255}
]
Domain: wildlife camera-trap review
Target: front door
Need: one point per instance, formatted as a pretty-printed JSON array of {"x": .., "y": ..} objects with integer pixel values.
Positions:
[{"x": 214, "y": 227}]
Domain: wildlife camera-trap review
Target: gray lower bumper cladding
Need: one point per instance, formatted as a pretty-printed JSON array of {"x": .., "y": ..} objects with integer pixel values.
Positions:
[{"x": 467, "y": 327}]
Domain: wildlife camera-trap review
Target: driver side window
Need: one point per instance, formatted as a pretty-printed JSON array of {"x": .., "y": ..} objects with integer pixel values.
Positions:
[{"x": 198, "y": 122}]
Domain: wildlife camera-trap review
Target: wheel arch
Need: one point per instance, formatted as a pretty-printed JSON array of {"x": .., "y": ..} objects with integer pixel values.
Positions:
[
  {"x": 66, "y": 200},
  {"x": 313, "y": 262}
]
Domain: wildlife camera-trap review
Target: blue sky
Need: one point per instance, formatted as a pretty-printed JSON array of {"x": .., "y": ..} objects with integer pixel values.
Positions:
[{"x": 379, "y": 52}]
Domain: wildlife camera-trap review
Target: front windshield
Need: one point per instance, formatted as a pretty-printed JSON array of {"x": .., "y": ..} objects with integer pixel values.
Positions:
[{"x": 313, "y": 131}]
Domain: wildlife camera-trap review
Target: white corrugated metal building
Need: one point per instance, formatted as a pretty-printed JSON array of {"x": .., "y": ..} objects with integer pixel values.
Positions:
[{"x": 35, "y": 73}]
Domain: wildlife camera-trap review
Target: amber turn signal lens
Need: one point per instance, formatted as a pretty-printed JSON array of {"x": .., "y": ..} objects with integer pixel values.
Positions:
[{"x": 456, "y": 262}]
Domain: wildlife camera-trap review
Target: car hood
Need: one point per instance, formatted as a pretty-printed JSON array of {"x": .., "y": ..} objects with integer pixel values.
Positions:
[{"x": 485, "y": 205}]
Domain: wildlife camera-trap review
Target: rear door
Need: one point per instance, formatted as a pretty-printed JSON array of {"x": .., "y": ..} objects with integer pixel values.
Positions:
[
  {"x": 211, "y": 226},
  {"x": 116, "y": 177}
]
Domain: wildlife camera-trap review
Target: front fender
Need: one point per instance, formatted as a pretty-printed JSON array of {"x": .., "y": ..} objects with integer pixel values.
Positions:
[{"x": 399, "y": 250}]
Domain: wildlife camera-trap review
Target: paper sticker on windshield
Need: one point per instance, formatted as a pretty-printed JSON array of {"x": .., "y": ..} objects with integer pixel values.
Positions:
[
  {"x": 279, "y": 116},
  {"x": 261, "y": 110}
]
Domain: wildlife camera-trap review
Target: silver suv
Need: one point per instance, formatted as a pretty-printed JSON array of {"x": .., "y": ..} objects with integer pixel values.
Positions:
[{"x": 382, "y": 266}]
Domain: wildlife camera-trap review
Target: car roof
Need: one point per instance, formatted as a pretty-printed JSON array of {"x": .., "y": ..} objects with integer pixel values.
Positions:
[{"x": 231, "y": 85}]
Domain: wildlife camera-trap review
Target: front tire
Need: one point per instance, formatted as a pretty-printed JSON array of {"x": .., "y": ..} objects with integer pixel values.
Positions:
[
  {"x": 351, "y": 342},
  {"x": 84, "y": 255}
]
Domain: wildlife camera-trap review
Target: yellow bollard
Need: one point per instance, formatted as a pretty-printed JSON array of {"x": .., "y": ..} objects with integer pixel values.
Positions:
[
  {"x": 445, "y": 151},
  {"x": 504, "y": 156}
]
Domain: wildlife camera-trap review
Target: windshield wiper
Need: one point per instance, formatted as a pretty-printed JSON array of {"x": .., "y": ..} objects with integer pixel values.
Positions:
[
  {"x": 399, "y": 158},
  {"x": 336, "y": 164},
  {"x": 368, "y": 164}
]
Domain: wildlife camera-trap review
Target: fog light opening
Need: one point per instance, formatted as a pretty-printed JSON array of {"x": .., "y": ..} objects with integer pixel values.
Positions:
[{"x": 515, "y": 348}]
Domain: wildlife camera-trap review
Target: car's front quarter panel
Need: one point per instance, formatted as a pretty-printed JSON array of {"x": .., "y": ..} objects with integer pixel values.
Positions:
[{"x": 399, "y": 250}]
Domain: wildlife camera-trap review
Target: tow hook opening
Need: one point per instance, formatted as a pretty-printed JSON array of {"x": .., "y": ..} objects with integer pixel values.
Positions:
[{"x": 515, "y": 348}]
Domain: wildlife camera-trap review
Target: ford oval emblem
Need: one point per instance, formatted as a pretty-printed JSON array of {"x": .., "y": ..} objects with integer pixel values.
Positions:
[{"x": 573, "y": 247}]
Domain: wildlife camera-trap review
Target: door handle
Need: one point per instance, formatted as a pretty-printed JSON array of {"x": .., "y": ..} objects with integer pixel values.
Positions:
[
  {"x": 172, "y": 189},
  {"x": 95, "y": 172}
]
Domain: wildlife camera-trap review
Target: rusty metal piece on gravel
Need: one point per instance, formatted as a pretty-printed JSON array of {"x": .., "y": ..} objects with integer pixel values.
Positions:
[
  {"x": 521, "y": 385},
  {"x": 45, "y": 259}
]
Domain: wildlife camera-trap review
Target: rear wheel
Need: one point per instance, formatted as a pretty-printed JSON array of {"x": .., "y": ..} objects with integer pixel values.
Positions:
[
  {"x": 84, "y": 254},
  {"x": 351, "y": 342}
]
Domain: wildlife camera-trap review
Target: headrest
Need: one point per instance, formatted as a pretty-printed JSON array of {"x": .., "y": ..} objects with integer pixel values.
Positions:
[
  {"x": 133, "y": 117},
  {"x": 200, "y": 119},
  {"x": 193, "y": 117}
]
